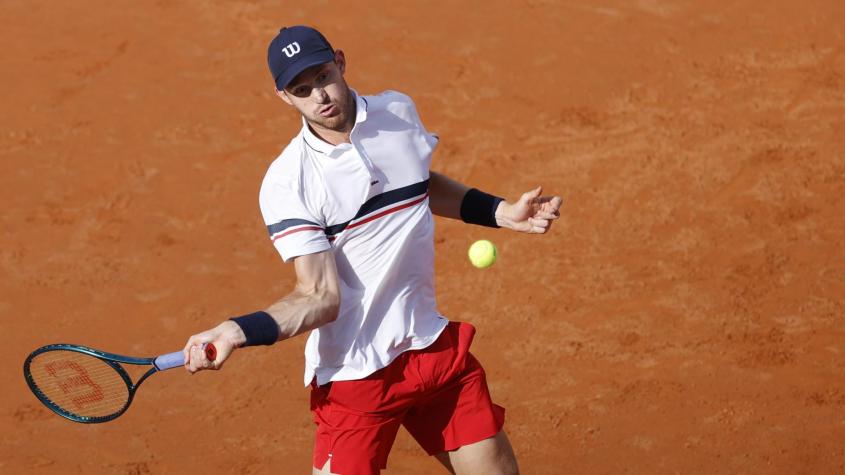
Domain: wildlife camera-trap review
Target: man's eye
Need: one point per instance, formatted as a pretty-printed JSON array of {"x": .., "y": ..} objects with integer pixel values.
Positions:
[
  {"x": 300, "y": 91},
  {"x": 322, "y": 77}
]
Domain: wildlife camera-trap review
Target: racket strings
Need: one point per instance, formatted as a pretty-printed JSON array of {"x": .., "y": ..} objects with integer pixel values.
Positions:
[{"x": 79, "y": 384}]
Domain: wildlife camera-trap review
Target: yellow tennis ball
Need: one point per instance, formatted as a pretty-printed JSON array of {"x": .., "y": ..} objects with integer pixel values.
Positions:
[{"x": 482, "y": 254}]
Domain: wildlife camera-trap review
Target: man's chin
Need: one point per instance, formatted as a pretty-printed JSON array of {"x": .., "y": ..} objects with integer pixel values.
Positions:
[{"x": 333, "y": 123}]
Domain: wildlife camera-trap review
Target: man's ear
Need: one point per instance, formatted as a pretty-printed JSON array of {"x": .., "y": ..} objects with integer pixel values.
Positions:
[
  {"x": 284, "y": 96},
  {"x": 340, "y": 60}
]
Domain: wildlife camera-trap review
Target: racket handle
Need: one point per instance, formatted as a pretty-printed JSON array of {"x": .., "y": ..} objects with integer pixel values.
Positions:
[{"x": 176, "y": 359}]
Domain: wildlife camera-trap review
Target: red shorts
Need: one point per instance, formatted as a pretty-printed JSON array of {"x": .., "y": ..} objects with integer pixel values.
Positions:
[{"x": 438, "y": 393}]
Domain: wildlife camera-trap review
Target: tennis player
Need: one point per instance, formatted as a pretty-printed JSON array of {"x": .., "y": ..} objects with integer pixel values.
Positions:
[{"x": 350, "y": 201}]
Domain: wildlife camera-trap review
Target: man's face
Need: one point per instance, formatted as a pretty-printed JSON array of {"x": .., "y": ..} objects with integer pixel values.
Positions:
[{"x": 321, "y": 95}]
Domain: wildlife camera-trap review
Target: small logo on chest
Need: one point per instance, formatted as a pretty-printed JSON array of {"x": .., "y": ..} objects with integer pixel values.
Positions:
[{"x": 374, "y": 183}]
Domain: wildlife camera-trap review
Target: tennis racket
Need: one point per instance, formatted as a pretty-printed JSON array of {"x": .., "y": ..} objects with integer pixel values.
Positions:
[{"x": 91, "y": 386}]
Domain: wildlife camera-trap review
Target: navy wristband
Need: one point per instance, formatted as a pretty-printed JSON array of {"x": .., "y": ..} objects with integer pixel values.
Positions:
[
  {"x": 479, "y": 208},
  {"x": 259, "y": 327}
]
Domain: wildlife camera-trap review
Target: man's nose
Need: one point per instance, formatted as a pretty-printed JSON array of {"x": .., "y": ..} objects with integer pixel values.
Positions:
[{"x": 319, "y": 94}]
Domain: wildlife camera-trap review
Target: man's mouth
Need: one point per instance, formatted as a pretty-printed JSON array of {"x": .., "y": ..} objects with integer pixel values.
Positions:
[{"x": 328, "y": 110}]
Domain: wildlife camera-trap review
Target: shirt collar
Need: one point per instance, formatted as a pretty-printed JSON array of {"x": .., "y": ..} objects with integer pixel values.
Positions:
[{"x": 319, "y": 145}]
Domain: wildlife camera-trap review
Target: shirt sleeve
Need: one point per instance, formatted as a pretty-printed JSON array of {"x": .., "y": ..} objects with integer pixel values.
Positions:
[
  {"x": 426, "y": 141},
  {"x": 293, "y": 229}
]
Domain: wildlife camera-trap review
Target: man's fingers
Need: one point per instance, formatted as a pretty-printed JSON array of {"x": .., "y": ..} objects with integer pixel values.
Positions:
[
  {"x": 193, "y": 359},
  {"x": 202, "y": 359},
  {"x": 550, "y": 202},
  {"x": 539, "y": 223},
  {"x": 186, "y": 352},
  {"x": 196, "y": 358},
  {"x": 547, "y": 215},
  {"x": 530, "y": 196}
]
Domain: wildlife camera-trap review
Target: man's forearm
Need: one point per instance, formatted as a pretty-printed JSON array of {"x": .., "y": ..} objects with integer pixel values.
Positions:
[
  {"x": 445, "y": 195},
  {"x": 314, "y": 302},
  {"x": 303, "y": 310},
  {"x": 298, "y": 312}
]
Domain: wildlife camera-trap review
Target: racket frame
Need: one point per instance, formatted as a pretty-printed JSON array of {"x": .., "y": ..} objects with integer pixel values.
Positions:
[{"x": 110, "y": 359}]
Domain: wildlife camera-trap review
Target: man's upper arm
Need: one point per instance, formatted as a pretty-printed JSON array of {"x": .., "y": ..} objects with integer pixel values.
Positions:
[{"x": 317, "y": 274}]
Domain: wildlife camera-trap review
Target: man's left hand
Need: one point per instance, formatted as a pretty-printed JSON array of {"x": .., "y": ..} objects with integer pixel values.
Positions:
[{"x": 532, "y": 213}]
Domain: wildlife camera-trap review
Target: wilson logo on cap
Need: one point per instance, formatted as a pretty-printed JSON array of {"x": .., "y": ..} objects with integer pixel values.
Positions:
[{"x": 291, "y": 49}]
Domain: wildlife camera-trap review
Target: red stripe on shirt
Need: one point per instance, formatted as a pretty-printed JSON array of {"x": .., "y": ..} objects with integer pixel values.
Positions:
[
  {"x": 364, "y": 221},
  {"x": 296, "y": 230},
  {"x": 386, "y": 212}
]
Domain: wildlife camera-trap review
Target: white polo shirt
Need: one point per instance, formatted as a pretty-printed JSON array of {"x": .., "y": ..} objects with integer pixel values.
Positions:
[{"x": 367, "y": 203}]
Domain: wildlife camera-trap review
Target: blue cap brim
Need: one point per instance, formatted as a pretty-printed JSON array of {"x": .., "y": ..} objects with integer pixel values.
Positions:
[{"x": 320, "y": 57}]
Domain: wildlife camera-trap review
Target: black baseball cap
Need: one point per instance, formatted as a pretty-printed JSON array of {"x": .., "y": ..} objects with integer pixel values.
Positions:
[{"x": 295, "y": 49}]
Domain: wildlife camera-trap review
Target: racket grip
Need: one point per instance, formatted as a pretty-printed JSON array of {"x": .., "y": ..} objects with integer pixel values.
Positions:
[{"x": 176, "y": 359}]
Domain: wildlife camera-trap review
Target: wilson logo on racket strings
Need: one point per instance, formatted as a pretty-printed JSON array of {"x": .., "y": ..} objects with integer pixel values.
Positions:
[
  {"x": 75, "y": 382},
  {"x": 292, "y": 49}
]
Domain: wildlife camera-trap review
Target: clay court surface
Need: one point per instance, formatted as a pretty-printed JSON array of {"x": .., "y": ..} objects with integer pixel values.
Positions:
[{"x": 686, "y": 315}]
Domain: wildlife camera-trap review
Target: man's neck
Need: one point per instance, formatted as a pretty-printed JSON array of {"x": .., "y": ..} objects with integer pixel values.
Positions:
[{"x": 334, "y": 137}]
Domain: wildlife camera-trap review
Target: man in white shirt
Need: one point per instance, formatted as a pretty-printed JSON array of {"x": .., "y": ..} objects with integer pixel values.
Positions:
[{"x": 350, "y": 202}]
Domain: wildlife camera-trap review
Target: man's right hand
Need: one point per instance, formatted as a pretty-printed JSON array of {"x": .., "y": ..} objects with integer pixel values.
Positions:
[{"x": 226, "y": 337}]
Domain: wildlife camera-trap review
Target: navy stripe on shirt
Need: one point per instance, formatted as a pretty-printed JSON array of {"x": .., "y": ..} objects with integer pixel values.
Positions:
[
  {"x": 288, "y": 223},
  {"x": 381, "y": 201},
  {"x": 375, "y": 203}
]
